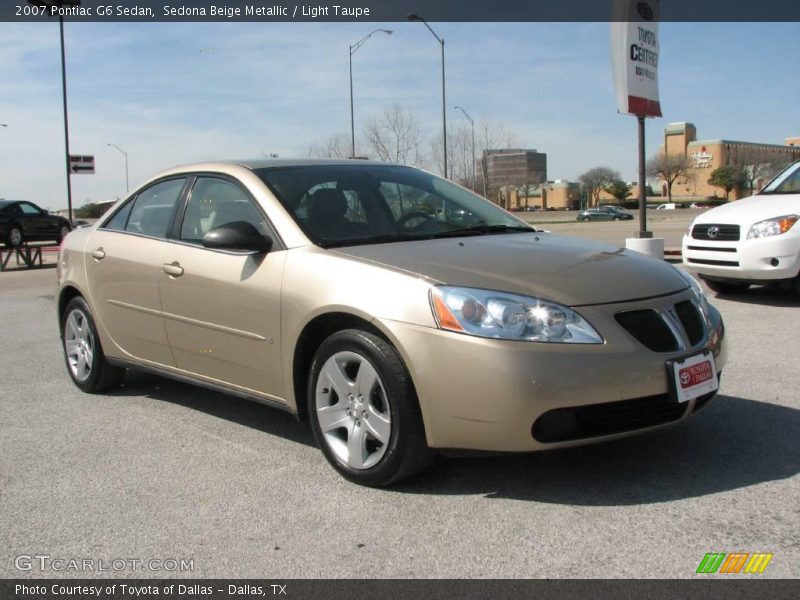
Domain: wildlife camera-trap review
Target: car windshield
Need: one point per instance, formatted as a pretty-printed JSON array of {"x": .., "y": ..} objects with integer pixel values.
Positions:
[
  {"x": 343, "y": 205},
  {"x": 787, "y": 182}
]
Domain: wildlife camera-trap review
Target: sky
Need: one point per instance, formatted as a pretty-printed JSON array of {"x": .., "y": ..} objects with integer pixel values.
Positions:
[{"x": 172, "y": 93}]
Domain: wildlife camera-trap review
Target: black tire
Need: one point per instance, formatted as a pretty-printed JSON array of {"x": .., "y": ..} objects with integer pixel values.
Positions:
[
  {"x": 615, "y": 219},
  {"x": 585, "y": 219},
  {"x": 63, "y": 230},
  {"x": 12, "y": 240},
  {"x": 407, "y": 452},
  {"x": 725, "y": 287},
  {"x": 101, "y": 375}
]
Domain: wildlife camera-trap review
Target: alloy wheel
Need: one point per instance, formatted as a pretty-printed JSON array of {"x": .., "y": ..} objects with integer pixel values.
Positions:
[
  {"x": 352, "y": 410},
  {"x": 79, "y": 344}
]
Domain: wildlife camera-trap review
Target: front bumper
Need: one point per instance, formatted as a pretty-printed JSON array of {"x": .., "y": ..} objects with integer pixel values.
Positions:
[
  {"x": 764, "y": 259},
  {"x": 483, "y": 394}
]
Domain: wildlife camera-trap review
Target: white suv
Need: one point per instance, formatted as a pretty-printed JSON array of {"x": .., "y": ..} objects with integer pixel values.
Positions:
[{"x": 754, "y": 240}]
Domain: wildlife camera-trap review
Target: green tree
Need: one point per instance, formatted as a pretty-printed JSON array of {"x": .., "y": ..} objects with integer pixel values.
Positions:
[
  {"x": 619, "y": 189},
  {"x": 91, "y": 210},
  {"x": 726, "y": 178}
]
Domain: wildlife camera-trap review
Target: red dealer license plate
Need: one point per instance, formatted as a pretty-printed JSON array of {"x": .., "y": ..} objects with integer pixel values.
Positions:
[{"x": 693, "y": 377}]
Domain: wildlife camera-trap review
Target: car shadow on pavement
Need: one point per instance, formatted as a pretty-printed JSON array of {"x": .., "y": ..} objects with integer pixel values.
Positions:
[
  {"x": 763, "y": 295},
  {"x": 223, "y": 406},
  {"x": 733, "y": 443}
]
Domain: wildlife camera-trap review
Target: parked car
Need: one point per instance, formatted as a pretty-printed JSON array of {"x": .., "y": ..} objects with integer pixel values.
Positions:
[
  {"x": 317, "y": 287},
  {"x": 22, "y": 221},
  {"x": 667, "y": 206},
  {"x": 755, "y": 240},
  {"x": 604, "y": 213},
  {"x": 707, "y": 203}
]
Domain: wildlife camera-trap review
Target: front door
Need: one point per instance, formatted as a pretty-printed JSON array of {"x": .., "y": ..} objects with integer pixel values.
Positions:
[{"x": 222, "y": 309}]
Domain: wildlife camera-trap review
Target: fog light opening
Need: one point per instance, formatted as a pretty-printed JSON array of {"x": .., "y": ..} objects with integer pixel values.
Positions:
[{"x": 774, "y": 262}]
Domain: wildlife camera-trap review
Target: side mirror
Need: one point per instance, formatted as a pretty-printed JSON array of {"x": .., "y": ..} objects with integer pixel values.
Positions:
[{"x": 238, "y": 236}]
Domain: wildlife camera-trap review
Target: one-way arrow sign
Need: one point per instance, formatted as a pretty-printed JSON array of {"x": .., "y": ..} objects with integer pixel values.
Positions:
[{"x": 81, "y": 165}]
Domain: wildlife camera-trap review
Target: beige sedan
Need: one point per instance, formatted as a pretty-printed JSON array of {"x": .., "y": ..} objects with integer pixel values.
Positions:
[{"x": 397, "y": 312}]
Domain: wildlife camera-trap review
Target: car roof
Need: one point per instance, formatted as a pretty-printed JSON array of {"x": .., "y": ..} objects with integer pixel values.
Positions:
[
  {"x": 306, "y": 162},
  {"x": 4, "y": 203}
]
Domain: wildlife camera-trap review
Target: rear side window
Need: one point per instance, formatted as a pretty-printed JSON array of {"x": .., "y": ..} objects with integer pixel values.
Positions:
[{"x": 150, "y": 212}]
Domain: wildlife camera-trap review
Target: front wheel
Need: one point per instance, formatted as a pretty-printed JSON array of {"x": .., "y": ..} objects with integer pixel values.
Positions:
[
  {"x": 86, "y": 362},
  {"x": 364, "y": 411},
  {"x": 586, "y": 219},
  {"x": 726, "y": 287}
]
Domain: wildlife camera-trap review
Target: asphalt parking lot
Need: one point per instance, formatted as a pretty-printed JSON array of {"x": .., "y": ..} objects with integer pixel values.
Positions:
[{"x": 164, "y": 470}]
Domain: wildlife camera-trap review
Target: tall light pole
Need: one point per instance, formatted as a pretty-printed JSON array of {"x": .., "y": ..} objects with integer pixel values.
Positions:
[
  {"x": 353, "y": 49},
  {"x": 125, "y": 154},
  {"x": 473, "y": 143},
  {"x": 62, "y": 4},
  {"x": 416, "y": 17}
]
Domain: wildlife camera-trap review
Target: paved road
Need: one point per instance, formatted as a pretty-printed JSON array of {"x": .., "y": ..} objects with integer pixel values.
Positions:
[{"x": 161, "y": 470}]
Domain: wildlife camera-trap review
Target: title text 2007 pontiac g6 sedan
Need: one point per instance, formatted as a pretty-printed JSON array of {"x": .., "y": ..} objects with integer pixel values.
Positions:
[{"x": 399, "y": 313}]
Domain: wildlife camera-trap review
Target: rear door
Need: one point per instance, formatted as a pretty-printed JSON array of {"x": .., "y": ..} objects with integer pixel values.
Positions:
[
  {"x": 123, "y": 267},
  {"x": 222, "y": 308}
]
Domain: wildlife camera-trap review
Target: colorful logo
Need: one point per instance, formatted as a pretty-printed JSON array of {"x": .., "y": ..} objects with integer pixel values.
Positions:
[{"x": 734, "y": 562}]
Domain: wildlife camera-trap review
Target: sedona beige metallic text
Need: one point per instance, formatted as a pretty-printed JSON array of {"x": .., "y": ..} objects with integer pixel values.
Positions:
[{"x": 398, "y": 312}]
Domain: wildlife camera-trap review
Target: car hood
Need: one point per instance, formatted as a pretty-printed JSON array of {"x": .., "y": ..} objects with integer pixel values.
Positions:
[
  {"x": 562, "y": 269},
  {"x": 750, "y": 210}
]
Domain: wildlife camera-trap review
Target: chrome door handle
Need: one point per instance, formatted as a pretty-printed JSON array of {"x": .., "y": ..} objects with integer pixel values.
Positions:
[
  {"x": 173, "y": 269},
  {"x": 98, "y": 253}
]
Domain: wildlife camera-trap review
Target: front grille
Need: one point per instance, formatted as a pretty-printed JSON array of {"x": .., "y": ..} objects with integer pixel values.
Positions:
[
  {"x": 691, "y": 320},
  {"x": 710, "y": 249},
  {"x": 594, "y": 420},
  {"x": 716, "y": 263},
  {"x": 719, "y": 233},
  {"x": 649, "y": 328}
]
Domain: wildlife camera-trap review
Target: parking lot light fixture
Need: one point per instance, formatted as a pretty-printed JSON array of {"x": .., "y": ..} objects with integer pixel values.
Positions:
[
  {"x": 416, "y": 17},
  {"x": 125, "y": 154},
  {"x": 353, "y": 49}
]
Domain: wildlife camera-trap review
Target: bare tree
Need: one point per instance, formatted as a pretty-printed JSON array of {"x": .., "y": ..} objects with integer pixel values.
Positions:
[
  {"x": 395, "y": 136},
  {"x": 459, "y": 155},
  {"x": 596, "y": 180},
  {"x": 668, "y": 167},
  {"x": 336, "y": 146},
  {"x": 757, "y": 165}
]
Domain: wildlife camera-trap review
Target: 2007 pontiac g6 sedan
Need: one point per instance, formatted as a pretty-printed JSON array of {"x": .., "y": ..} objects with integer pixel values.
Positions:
[{"x": 396, "y": 311}]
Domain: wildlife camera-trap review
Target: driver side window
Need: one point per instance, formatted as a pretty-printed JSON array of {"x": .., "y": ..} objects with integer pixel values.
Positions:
[{"x": 215, "y": 202}]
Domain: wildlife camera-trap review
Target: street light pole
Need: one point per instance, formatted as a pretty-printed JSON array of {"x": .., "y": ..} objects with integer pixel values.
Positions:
[
  {"x": 353, "y": 49},
  {"x": 125, "y": 154},
  {"x": 62, "y": 4},
  {"x": 473, "y": 144},
  {"x": 416, "y": 17}
]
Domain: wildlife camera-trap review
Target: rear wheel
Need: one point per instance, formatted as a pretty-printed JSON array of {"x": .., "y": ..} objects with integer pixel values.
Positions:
[
  {"x": 726, "y": 287},
  {"x": 15, "y": 238},
  {"x": 364, "y": 411},
  {"x": 86, "y": 363}
]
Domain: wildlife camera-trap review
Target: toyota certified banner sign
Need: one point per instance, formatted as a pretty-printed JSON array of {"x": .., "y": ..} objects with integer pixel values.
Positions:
[{"x": 634, "y": 52}]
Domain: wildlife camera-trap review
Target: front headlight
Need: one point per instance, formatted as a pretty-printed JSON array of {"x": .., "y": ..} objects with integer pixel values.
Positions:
[
  {"x": 501, "y": 315},
  {"x": 771, "y": 227}
]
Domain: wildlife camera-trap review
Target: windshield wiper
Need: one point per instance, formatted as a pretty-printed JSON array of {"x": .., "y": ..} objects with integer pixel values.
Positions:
[{"x": 486, "y": 230}]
